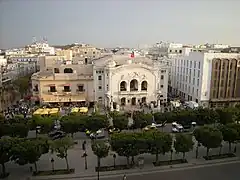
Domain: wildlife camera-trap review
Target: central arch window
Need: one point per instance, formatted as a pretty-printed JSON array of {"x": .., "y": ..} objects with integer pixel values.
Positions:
[
  {"x": 134, "y": 85},
  {"x": 123, "y": 86},
  {"x": 68, "y": 70},
  {"x": 144, "y": 86}
]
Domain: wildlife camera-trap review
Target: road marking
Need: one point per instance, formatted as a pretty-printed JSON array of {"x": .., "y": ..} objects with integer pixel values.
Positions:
[{"x": 155, "y": 171}]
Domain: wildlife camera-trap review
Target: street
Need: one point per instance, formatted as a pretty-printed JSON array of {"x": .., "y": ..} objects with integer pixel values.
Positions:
[{"x": 218, "y": 172}]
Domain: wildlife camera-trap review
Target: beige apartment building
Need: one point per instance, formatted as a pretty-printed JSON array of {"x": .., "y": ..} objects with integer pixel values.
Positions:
[
  {"x": 68, "y": 83},
  {"x": 85, "y": 51},
  {"x": 66, "y": 53}
]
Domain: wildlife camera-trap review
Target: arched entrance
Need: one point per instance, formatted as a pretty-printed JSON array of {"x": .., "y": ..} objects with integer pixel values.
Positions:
[
  {"x": 123, "y": 101},
  {"x": 134, "y": 101}
]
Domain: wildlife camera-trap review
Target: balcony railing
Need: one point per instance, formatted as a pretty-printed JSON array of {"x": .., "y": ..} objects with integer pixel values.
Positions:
[
  {"x": 66, "y": 90},
  {"x": 133, "y": 89},
  {"x": 80, "y": 90}
]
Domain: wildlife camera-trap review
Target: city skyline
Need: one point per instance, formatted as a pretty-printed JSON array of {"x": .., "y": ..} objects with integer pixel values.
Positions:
[{"x": 112, "y": 23}]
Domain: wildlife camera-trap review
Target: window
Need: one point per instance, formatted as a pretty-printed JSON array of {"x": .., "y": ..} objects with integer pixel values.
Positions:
[
  {"x": 198, "y": 73},
  {"x": 56, "y": 70},
  {"x": 68, "y": 70},
  {"x": 192, "y": 90},
  {"x": 197, "y": 82},
  {"x": 86, "y": 60},
  {"x": 197, "y": 92},
  {"x": 93, "y": 52},
  {"x": 162, "y": 76},
  {"x": 161, "y": 86},
  {"x": 180, "y": 51},
  {"x": 85, "y": 52},
  {"x": 193, "y": 81},
  {"x": 99, "y": 78},
  {"x": 67, "y": 89},
  {"x": 53, "y": 88},
  {"x": 80, "y": 88},
  {"x": 99, "y": 87},
  {"x": 199, "y": 64},
  {"x": 194, "y": 64}
]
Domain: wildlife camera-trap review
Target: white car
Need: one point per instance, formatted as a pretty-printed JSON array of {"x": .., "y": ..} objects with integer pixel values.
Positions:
[
  {"x": 98, "y": 135},
  {"x": 177, "y": 127}
]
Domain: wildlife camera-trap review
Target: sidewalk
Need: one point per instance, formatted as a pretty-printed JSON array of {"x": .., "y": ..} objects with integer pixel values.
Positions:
[{"x": 148, "y": 169}]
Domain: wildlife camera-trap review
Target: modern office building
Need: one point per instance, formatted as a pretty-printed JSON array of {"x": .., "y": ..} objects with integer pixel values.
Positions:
[{"x": 210, "y": 78}]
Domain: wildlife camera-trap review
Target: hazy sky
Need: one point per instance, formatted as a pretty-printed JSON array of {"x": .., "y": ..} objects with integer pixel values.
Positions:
[{"x": 119, "y": 22}]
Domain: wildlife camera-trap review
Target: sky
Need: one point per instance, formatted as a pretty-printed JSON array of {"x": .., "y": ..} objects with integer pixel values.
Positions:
[{"x": 109, "y": 23}]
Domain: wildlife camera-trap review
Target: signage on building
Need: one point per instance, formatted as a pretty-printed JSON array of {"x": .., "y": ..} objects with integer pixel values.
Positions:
[{"x": 26, "y": 59}]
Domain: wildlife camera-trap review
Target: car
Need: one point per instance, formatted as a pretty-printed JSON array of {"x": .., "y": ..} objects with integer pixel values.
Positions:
[
  {"x": 113, "y": 130},
  {"x": 150, "y": 127},
  {"x": 56, "y": 133},
  {"x": 98, "y": 134},
  {"x": 176, "y": 128}
]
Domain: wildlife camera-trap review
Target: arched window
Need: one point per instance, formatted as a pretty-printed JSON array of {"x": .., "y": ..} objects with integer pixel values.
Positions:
[
  {"x": 123, "y": 86},
  {"x": 68, "y": 70},
  {"x": 134, "y": 85},
  {"x": 144, "y": 86},
  {"x": 56, "y": 70}
]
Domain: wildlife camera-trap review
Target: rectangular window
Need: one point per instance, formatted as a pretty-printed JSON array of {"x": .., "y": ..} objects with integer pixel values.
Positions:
[
  {"x": 194, "y": 64},
  {"x": 99, "y": 87},
  {"x": 53, "y": 89},
  {"x": 199, "y": 65},
  {"x": 67, "y": 89},
  {"x": 80, "y": 88},
  {"x": 162, "y": 76},
  {"x": 161, "y": 86},
  {"x": 99, "y": 78},
  {"x": 197, "y": 82}
]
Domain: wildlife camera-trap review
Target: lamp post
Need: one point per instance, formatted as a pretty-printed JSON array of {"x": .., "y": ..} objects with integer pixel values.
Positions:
[
  {"x": 52, "y": 162},
  {"x": 98, "y": 175},
  {"x": 85, "y": 159},
  {"x": 114, "y": 160}
]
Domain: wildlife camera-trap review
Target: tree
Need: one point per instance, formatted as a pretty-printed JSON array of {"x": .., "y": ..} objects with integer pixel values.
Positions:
[
  {"x": 6, "y": 145},
  {"x": 206, "y": 116},
  {"x": 46, "y": 123},
  {"x": 183, "y": 143},
  {"x": 14, "y": 130},
  {"x": 120, "y": 122},
  {"x": 229, "y": 134},
  {"x": 101, "y": 150},
  {"x": 96, "y": 122},
  {"x": 226, "y": 115},
  {"x": 156, "y": 144},
  {"x": 209, "y": 137},
  {"x": 72, "y": 124},
  {"x": 126, "y": 144},
  {"x": 61, "y": 147},
  {"x": 27, "y": 151},
  {"x": 141, "y": 119}
]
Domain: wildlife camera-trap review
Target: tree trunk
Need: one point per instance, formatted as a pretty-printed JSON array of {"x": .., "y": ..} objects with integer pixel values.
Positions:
[
  {"x": 183, "y": 155},
  {"x": 157, "y": 156},
  {"x": 99, "y": 162},
  {"x": 35, "y": 165},
  {"x": 207, "y": 152},
  {"x": 220, "y": 150},
  {"x": 229, "y": 147},
  {"x": 133, "y": 162},
  {"x": 197, "y": 152},
  {"x": 3, "y": 169},
  {"x": 67, "y": 163},
  {"x": 128, "y": 161}
]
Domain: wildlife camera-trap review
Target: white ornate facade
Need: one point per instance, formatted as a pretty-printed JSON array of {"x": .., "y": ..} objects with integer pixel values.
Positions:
[{"x": 130, "y": 81}]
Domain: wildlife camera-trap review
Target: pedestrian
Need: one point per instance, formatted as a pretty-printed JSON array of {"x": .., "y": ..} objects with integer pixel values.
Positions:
[{"x": 124, "y": 177}]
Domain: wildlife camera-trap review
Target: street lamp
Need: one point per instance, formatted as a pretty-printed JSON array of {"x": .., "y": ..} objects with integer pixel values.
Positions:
[
  {"x": 114, "y": 160},
  {"x": 52, "y": 162},
  {"x": 85, "y": 159}
]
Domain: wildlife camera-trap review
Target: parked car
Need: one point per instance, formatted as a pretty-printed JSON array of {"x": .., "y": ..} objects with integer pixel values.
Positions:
[
  {"x": 98, "y": 135},
  {"x": 150, "y": 127},
  {"x": 176, "y": 128},
  {"x": 113, "y": 130},
  {"x": 56, "y": 135}
]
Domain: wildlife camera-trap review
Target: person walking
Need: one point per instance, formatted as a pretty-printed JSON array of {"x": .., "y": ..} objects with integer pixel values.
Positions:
[{"x": 124, "y": 177}]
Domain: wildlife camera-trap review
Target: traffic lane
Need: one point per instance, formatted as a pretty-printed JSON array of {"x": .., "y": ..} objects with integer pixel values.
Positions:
[{"x": 219, "y": 172}]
